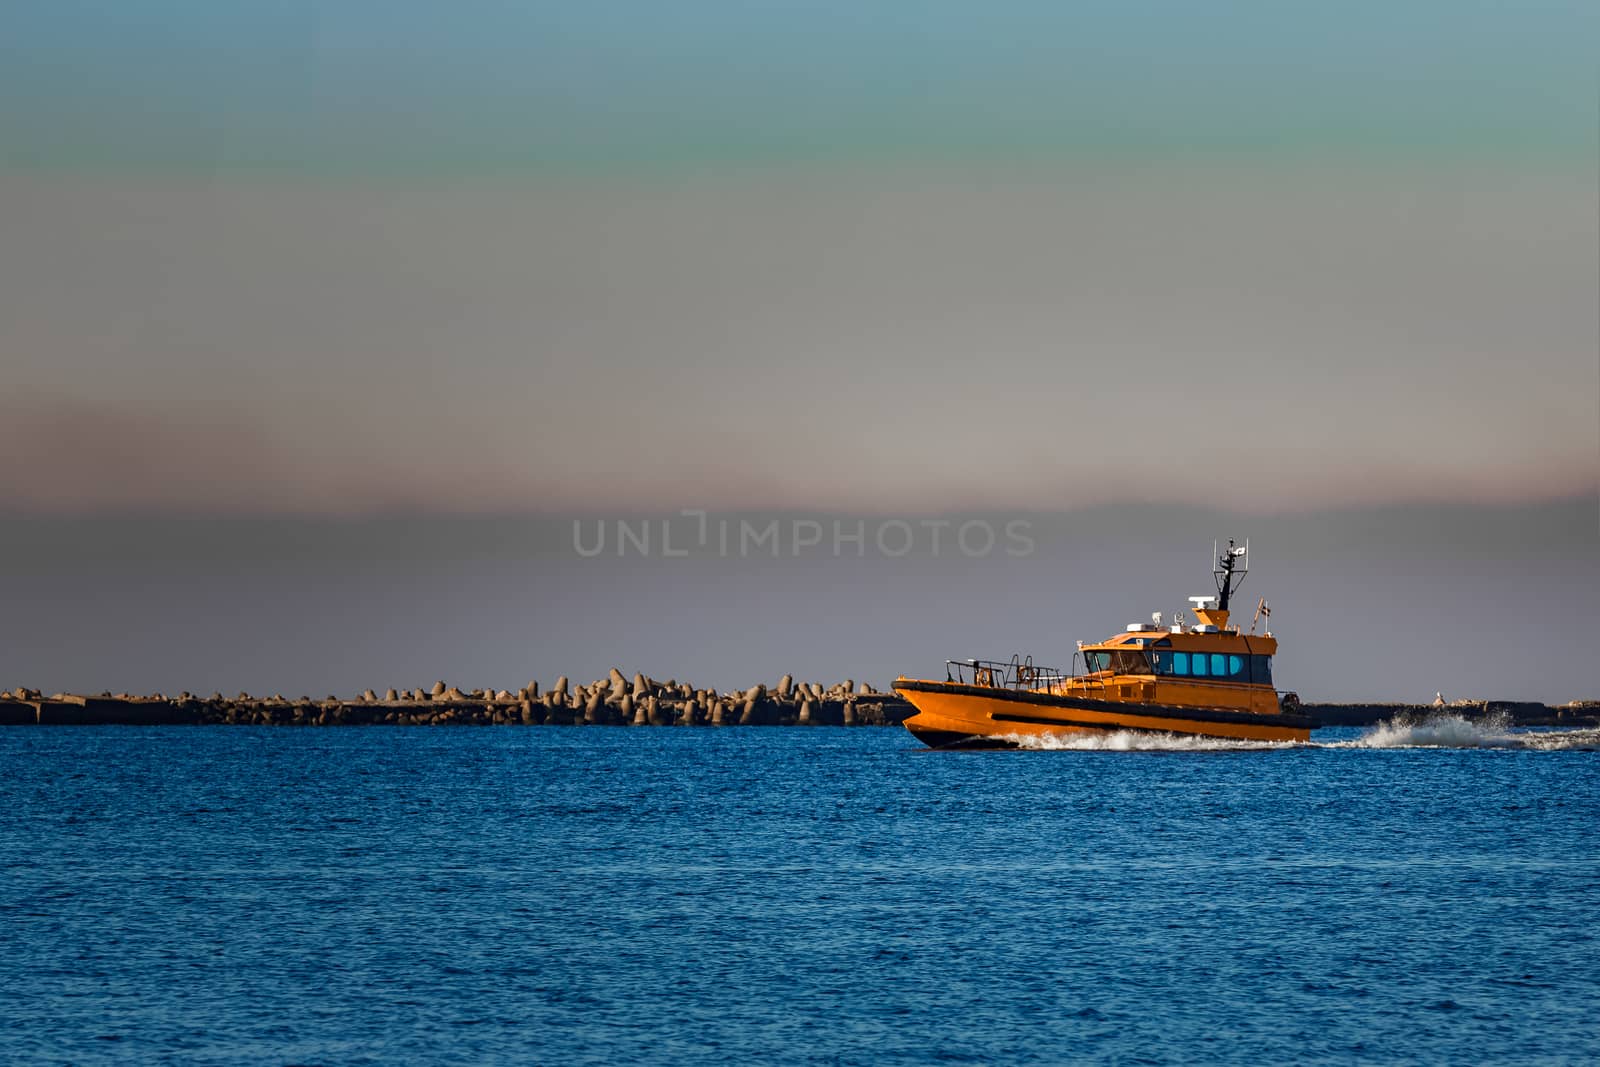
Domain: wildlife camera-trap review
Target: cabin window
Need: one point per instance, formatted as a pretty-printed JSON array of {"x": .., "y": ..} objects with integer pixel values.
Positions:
[
  {"x": 1121, "y": 661},
  {"x": 1196, "y": 666},
  {"x": 1200, "y": 665},
  {"x": 1130, "y": 661}
]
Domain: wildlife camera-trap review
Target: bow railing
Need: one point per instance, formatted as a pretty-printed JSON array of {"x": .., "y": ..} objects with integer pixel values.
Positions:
[{"x": 1017, "y": 673}]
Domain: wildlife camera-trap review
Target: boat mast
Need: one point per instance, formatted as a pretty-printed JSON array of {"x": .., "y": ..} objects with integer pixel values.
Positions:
[{"x": 1232, "y": 565}]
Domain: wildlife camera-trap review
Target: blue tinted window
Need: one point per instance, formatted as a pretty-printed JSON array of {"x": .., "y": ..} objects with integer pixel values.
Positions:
[
  {"x": 1219, "y": 665},
  {"x": 1235, "y": 666},
  {"x": 1263, "y": 669},
  {"x": 1200, "y": 664},
  {"x": 1180, "y": 663}
]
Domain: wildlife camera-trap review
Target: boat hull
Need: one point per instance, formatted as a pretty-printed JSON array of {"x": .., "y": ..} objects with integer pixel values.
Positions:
[{"x": 954, "y": 715}]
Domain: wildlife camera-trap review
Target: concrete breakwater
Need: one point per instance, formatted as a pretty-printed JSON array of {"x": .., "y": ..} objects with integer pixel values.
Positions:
[
  {"x": 1512, "y": 712},
  {"x": 615, "y": 700}
]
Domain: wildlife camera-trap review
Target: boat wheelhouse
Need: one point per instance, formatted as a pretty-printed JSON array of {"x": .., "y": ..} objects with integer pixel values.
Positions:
[{"x": 1207, "y": 678}]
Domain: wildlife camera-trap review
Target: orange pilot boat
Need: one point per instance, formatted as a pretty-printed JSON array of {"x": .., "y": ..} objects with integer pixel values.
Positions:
[{"x": 1206, "y": 679}]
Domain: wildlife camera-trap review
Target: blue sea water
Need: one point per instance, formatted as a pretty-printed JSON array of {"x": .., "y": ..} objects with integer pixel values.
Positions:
[{"x": 371, "y": 895}]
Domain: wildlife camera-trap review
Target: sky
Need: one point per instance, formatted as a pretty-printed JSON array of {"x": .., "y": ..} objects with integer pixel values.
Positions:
[{"x": 335, "y": 263}]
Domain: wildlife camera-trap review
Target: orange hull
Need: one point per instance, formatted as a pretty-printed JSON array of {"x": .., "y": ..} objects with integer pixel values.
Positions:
[{"x": 955, "y": 714}]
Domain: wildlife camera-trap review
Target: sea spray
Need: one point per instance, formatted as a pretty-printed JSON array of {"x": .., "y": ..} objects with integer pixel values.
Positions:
[
  {"x": 1445, "y": 730},
  {"x": 1451, "y": 730},
  {"x": 1139, "y": 741},
  {"x": 1448, "y": 730}
]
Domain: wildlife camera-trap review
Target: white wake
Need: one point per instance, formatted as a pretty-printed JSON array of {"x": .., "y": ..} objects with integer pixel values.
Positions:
[
  {"x": 1444, "y": 730},
  {"x": 1137, "y": 741},
  {"x": 1447, "y": 730}
]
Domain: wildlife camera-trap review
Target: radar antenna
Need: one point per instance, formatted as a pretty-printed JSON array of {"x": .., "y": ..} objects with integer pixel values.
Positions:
[{"x": 1233, "y": 563}]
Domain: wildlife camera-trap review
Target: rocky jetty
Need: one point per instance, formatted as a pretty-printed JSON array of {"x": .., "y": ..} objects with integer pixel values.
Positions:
[
  {"x": 617, "y": 700},
  {"x": 614, "y": 700}
]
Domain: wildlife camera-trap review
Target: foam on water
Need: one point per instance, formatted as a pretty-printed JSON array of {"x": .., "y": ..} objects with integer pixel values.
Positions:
[
  {"x": 1138, "y": 741},
  {"x": 1453, "y": 731},
  {"x": 1583, "y": 740},
  {"x": 1441, "y": 731},
  {"x": 1448, "y": 730}
]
